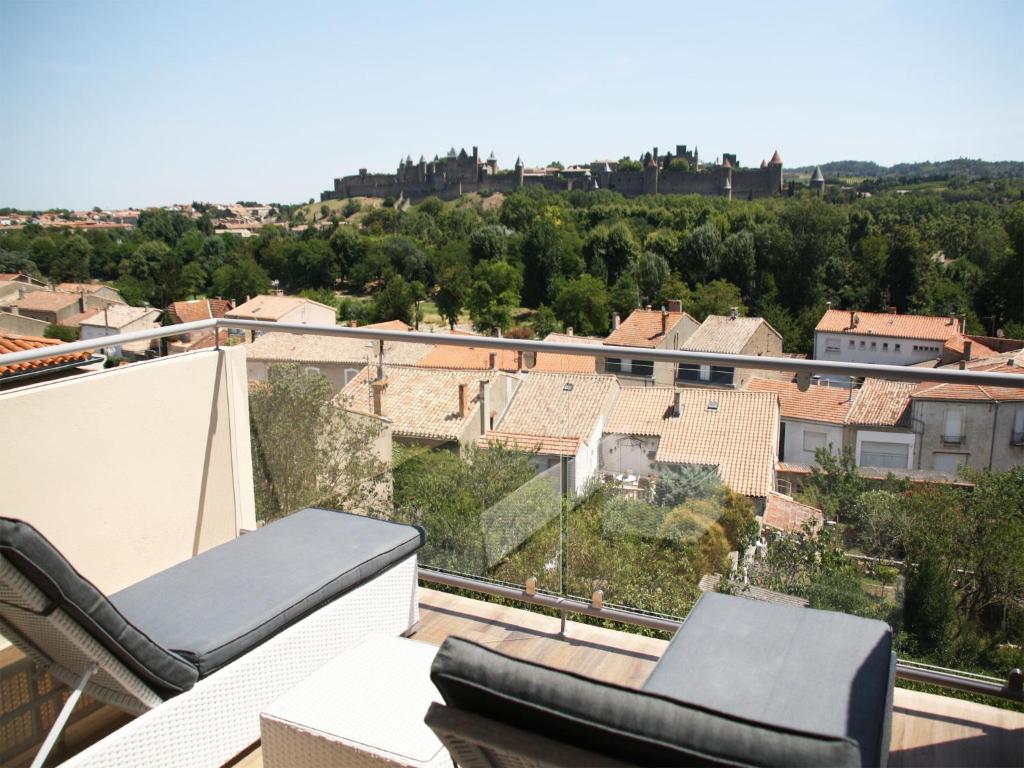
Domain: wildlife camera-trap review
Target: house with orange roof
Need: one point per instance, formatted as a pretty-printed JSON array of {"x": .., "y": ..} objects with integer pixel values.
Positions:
[
  {"x": 481, "y": 358},
  {"x": 883, "y": 338},
  {"x": 435, "y": 408},
  {"x": 178, "y": 312},
  {"x": 735, "y": 432},
  {"x": 648, "y": 328},
  {"x": 810, "y": 419},
  {"x": 559, "y": 418},
  {"x": 96, "y": 292},
  {"x": 56, "y": 366},
  {"x": 731, "y": 335},
  {"x": 879, "y": 425},
  {"x": 282, "y": 309},
  {"x": 785, "y": 514},
  {"x": 970, "y": 425}
]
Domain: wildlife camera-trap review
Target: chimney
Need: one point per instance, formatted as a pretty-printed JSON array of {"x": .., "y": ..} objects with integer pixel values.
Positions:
[
  {"x": 664, "y": 322},
  {"x": 892, "y": 310},
  {"x": 81, "y": 302},
  {"x": 463, "y": 400},
  {"x": 497, "y": 331},
  {"x": 21, "y": 294},
  {"x": 963, "y": 323},
  {"x": 493, "y": 361},
  {"x": 968, "y": 348},
  {"x": 853, "y": 317},
  {"x": 734, "y": 312},
  {"x": 485, "y": 406},
  {"x": 569, "y": 331},
  {"x": 352, "y": 323},
  {"x": 952, "y": 318},
  {"x": 677, "y": 405},
  {"x": 675, "y": 305},
  {"x": 963, "y": 364},
  {"x": 616, "y": 320},
  {"x": 519, "y": 361},
  {"x": 378, "y": 388}
]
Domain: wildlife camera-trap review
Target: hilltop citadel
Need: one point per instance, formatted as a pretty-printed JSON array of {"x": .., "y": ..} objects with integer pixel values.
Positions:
[{"x": 680, "y": 173}]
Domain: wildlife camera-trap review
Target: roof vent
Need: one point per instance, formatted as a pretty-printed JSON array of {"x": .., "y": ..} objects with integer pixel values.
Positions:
[
  {"x": 712, "y": 405},
  {"x": 734, "y": 312}
]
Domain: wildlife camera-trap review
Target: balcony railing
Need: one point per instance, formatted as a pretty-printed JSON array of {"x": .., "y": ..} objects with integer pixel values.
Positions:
[{"x": 543, "y": 507}]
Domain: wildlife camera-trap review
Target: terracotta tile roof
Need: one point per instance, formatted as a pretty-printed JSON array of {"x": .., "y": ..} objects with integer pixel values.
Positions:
[
  {"x": 721, "y": 333},
  {"x": 886, "y": 324},
  {"x": 76, "y": 320},
  {"x": 479, "y": 358},
  {"x": 46, "y": 301},
  {"x": 881, "y": 403},
  {"x": 420, "y": 402},
  {"x": 270, "y": 307},
  {"x": 643, "y": 328},
  {"x": 709, "y": 583},
  {"x": 10, "y": 342},
  {"x": 958, "y": 342},
  {"x": 312, "y": 348},
  {"x": 390, "y": 325},
  {"x": 80, "y": 287},
  {"x": 740, "y": 436},
  {"x": 1012, "y": 362},
  {"x": 549, "y": 446},
  {"x": 783, "y": 513},
  {"x": 120, "y": 315},
  {"x": 198, "y": 309},
  {"x": 640, "y": 411},
  {"x": 542, "y": 408},
  {"x": 829, "y": 405}
]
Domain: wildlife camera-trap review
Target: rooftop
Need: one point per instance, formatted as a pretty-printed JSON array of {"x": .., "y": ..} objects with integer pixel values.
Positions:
[
  {"x": 198, "y": 309},
  {"x": 119, "y": 316},
  {"x": 420, "y": 403},
  {"x": 312, "y": 348},
  {"x": 542, "y": 406},
  {"x": 46, "y": 301},
  {"x": 723, "y": 333},
  {"x": 825, "y": 404},
  {"x": 881, "y": 403},
  {"x": 270, "y": 307},
  {"x": 1012, "y": 362},
  {"x": 479, "y": 358},
  {"x": 643, "y": 328},
  {"x": 784, "y": 513},
  {"x": 929, "y": 328},
  {"x": 10, "y": 342},
  {"x": 734, "y": 431}
]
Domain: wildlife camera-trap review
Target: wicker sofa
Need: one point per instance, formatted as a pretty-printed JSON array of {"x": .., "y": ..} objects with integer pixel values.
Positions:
[
  {"x": 199, "y": 648},
  {"x": 743, "y": 683}
]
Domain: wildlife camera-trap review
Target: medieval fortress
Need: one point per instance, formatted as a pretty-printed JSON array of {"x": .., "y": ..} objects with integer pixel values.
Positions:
[{"x": 681, "y": 173}]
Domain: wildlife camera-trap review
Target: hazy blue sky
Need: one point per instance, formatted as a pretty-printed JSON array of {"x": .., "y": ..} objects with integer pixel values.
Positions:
[{"x": 133, "y": 103}]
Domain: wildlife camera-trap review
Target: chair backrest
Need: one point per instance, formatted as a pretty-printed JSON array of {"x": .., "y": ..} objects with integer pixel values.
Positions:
[
  {"x": 493, "y": 693},
  {"x": 63, "y": 622}
]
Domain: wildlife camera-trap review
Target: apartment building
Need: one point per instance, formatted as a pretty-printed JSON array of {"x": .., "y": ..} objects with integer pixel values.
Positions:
[
  {"x": 883, "y": 338},
  {"x": 729, "y": 335},
  {"x": 648, "y": 329}
]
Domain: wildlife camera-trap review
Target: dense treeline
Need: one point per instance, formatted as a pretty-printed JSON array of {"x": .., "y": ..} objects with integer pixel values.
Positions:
[
  {"x": 961, "y": 166},
  {"x": 577, "y": 257}
]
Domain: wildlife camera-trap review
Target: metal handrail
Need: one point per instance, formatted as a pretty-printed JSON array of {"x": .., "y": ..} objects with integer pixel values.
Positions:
[{"x": 794, "y": 365}]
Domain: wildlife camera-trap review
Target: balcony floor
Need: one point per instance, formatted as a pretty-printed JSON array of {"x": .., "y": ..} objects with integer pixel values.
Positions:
[{"x": 928, "y": 730}]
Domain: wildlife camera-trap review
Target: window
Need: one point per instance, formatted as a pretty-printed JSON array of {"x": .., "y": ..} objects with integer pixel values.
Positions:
[
  {"x": 851, "y": 343},
  {"x": 873, "y": 345},
  {"x": 814, "y": 440},
  {"x": 885, "y": 455},
  {"x": 885, "y": 346},
  {"x": 949, "y": 463},
  {"x": 721, "y": 375},
  {"x": 643, "y": 368},
  {"x": 1017, "y": 438},
  {"x": 705, "y": 373},
  {"x": 897, "y": 348},
  {"x": 687, "y": 372},
  {"x": 953, "y": 432},
  {"x": 613, "y": 365},
  {"x": 350, "y": 373},
  {"x": 311, "y": 369},
  {"x": 831, "y": 344},
  {"x": 862, "y": 345}
]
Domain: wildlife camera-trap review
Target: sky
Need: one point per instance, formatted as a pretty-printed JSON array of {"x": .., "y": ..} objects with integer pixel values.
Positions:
[{"x": 150, "y": 103}]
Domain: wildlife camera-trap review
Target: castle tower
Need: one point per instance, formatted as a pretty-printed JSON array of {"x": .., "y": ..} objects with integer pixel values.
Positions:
[
  {"x": 818, "y": 182},
  {"x": 492, "y": 164},
  {"x": 775, "y": 173},
  {"x": 519, "y": 173},
  {"x": 606, "y": 176},
  {"x": 651, "y": 176},
  {"x": 727, "y": 183},
  {"x": 421, "y": 170}
]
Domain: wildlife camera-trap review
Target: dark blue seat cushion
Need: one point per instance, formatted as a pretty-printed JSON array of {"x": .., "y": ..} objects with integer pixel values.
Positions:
[
  {"x": 822, "y": 671},
  {"x": 226, "y": 601},
  {"x": 631, "y": 726},
  {"x": 34, "y": 557}
]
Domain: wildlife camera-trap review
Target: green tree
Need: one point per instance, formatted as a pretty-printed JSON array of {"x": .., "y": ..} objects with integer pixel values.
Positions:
[
  {"x": 396, "y": 301},
  {"x": 71, "y": 265},
  {"x": 651, "y": 273},
  {"x": 240, "y": 281},
  {"x": 488, "y": 243},
  {"x": 929, "y": 611},
  {"x": 715, "y": 298},
  {"x": 309, "y": 451},
  {"x": 494, "y": 295},
  {"x": 544, "y": 322},
  {"x": 583, "y": 304}
]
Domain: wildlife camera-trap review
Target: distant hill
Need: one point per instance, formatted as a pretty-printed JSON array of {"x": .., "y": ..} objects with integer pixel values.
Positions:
[{"x": 963, "y": 166}]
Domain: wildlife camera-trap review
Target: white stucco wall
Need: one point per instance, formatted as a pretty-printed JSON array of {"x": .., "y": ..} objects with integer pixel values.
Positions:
[
  {"x": 874, "y": 349},
  {"x": 309, "y": 314},
  {"x": 133, "y": 469},
  {"x": 794, "y": 445},
  {"x": 902, "y": 438},
  {"x": 628, "y": 454}
]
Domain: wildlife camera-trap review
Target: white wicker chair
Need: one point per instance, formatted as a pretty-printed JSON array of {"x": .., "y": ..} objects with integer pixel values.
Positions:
[{"x": 218, "y": 717}]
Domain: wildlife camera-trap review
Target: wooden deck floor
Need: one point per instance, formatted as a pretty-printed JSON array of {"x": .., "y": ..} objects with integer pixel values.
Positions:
[{"x": 928, "y": 730}]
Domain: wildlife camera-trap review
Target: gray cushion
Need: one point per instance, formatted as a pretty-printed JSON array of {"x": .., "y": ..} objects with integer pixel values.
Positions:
[
  {"x": 29, "y": 551},
  {"x": 624, "y": 724},
  {"x": 823, "y": 671},
  {"x": 222, "y": 603}
]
